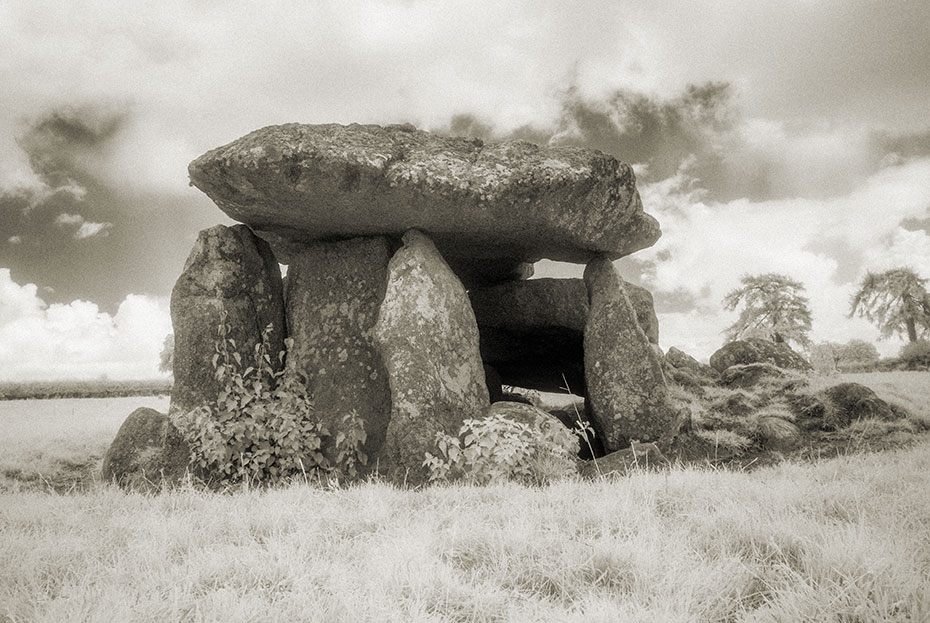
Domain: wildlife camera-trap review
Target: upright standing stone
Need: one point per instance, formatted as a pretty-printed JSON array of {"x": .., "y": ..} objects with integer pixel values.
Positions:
[
  {"x": 626, "y": 387},
  {"x": 643, "y": 305},
  {"x": 428, "y": 340},
  {"x": 229, "y": 270},
  {"x": 334, "y": 291}
]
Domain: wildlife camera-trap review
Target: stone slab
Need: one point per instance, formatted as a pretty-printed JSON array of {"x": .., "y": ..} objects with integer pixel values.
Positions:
[{"x": 512, "y": 201}]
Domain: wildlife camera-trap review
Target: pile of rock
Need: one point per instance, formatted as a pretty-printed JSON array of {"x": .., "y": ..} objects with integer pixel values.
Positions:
[{"x": 406, "y": 291}]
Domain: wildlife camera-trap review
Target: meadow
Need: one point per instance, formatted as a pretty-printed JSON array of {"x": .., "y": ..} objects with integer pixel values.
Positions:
[{"x": 845, "y": 539}]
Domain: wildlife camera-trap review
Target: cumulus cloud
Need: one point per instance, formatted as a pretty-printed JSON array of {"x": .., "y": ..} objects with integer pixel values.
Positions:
[
  {"x": 84, "y": 229},
  {"x": 69, "y": 219},
  {"x": 706, "y": 246},
  {"x": 76, "y": 340},
  {"x": 89, "y": 230}
]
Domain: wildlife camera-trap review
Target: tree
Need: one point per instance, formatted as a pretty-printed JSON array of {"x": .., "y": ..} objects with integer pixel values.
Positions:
[
  {"x": 166, "y": 357},
  {"x": 896, "y": 301},
  {"x": 773, "y": 308},
  {"x": 856, "y": 352}
]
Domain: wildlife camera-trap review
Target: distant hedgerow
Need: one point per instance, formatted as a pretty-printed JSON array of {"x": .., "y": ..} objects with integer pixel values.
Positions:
[
  {"x": 497, "y": 448},
  {"x": 262, "y": 426}
]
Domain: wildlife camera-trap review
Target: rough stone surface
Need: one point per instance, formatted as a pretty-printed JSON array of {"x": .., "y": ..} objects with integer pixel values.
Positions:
[
  {"x": 573, "y": 416},
  {"x": 229, "y": 270},
  {"x": 521, "y": 412},
  {"x": 333, "y": 294},
  {"x": 483, "y": 273},
  {"x": 511, "y": 202},
  {"x": 644, "y": 306},
  {"x": 532, "y": 332},
  {"x": 493, "y": 381},
  {"x": 621, "y": 462},
  {"x": 532, "y": 304},
  {"x": 428, "y": 341},
  {"x": 684, "y": 361},
  {"x": 757, "y": 350},
  {"x": 147, "y": 454},
  {"x": 625, "y": 383}
]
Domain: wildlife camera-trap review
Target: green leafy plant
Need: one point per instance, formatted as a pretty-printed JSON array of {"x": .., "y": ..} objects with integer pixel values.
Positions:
[
  {"x": 262, "y": 426},
  {"x": 497, "y": 448}
]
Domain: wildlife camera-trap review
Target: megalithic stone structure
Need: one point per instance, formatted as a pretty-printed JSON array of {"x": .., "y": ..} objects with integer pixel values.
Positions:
[{"x": 383, "y": 229}]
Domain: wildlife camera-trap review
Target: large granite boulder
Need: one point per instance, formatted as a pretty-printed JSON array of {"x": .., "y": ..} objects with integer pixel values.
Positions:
[
  {"x": 428, "y": 341},
  {"x": 333, "y": 294},
  {"x": 229, "y": 271},
  {"x": 757, "y": 350},
  {"x": 532, "y": 332},
  {"x": 511, "y": 202},
  {"x": 147, "y": 454},
  {"x": 626, "y": 387}
]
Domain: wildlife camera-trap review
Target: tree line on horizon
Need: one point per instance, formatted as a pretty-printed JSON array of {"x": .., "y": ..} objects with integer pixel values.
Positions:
[{"x": 773, "y": 307}]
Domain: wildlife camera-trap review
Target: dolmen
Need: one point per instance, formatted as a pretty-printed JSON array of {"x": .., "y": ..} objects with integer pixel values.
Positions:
[{"x": 407, "y": 294}]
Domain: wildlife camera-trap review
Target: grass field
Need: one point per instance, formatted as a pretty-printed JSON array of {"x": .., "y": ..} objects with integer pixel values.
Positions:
[
  {"x": 10, "y": 390},
  {"x": 844, "y": 540},
  {"x": 60, "y": 444}
]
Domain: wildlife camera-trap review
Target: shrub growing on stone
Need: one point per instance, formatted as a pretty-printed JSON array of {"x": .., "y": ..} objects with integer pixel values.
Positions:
[
  {"x": 496, "y": 449},
  {"x": 262, "y": 427}
]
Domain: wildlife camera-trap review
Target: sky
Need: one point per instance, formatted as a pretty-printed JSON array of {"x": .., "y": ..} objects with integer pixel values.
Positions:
[{"x": 789, "y": 137}]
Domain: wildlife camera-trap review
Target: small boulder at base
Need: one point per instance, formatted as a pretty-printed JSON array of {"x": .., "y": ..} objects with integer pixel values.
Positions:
[
  {"x": 757, "y": 350},
  {"x": 621, "y": 462},
  {"x": 625, "y": 383},
  {"x": 427, "y": 337},
  {"x": 147, "y": 454},
  {"x": 231, "y": 271},
  {"x": 334, "y": 291}
]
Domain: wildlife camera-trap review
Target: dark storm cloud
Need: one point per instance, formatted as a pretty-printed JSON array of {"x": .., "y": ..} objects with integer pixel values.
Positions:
[
  {"x": 62, "y": 143},
  {"x": 903, "y": 145},
  {"x": 663, "y": 134},
  {"x": 704, "y": 134},
  {"x": 80, "y": 234}
]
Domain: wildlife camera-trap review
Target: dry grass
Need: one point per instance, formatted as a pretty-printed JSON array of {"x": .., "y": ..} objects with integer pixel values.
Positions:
[
  {"x": 60, "y": 443},
  {"x": 840, "y": 540},
  {"x": 843, "y": 540}
]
